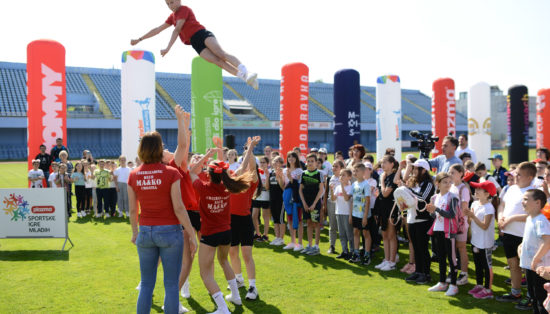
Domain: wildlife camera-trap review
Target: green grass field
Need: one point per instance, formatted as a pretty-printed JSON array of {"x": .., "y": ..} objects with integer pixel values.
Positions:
[{"x": 99, "y": 274}]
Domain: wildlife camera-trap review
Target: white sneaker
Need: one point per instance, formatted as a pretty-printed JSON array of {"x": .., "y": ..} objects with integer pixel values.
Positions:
[
  {"x": 185, "y": 293},
  {"x": 107, "y": 216},
  {"x": 453, "y": 290},
  {"x": 252, "y": 293},
  {"x": 235, "y": 300},
  {"x": 281, "y": 242},
  {"x": 389, "y": 266},
  {"x": 138, "y": 286},
  {"x": 240, "y": 284},
  {"x": 298, "y": 248},
  {"x": 384, "y": 262},
  {"x": 462, "y": 279},
  {"x": 439, "y": 287},
  {"x": 274, "y": 242},
  {"x": 289, "y": 246},
  {"x": 181, "y": 309},
  {"x": 252, "y": 80}
]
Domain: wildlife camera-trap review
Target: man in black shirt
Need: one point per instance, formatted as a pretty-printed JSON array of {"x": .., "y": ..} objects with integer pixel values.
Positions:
[{"x": 45, "y": 162}]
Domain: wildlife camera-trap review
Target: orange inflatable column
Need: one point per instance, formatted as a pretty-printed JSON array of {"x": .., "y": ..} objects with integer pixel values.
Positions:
[
  {"x": 293, "y": 127},
  {"x": 443, "y": 111},
  {"x": 46, "y": 96},
  {"x": 543, "y": 116}
]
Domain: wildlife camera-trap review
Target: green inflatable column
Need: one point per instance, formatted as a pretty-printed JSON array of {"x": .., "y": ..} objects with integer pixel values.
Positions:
[{"x": 206, "y": 104}]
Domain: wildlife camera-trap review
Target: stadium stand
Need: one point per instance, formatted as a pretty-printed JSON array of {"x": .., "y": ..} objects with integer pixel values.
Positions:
[{"x": 94, "y": 134}]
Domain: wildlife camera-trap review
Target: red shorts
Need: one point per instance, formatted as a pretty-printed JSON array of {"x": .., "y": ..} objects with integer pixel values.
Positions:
[{"x": 300, "y": 210}]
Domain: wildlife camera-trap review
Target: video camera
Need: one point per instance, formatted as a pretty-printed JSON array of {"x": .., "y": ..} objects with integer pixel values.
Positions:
[{"x": 424, "y": 142}]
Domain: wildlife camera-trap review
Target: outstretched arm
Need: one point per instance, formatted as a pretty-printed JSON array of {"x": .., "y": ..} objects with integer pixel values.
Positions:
[
  {"x": 182, "y": 151},
  {"x": 250, "y": 144},
  {"x": 175, "y": 33},
  {"x": 155, "y": 31}
]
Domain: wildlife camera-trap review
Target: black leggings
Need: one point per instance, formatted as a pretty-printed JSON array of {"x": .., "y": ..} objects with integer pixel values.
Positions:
[
  {"x": 535, "y": 287},
  {"x": 446, "y": 248},
  {"x": 484, "y": 266},
  {"x": 80, "y": 197},
  {"x": 420, "y": 239},
  {"x": 87, "y": 198}
]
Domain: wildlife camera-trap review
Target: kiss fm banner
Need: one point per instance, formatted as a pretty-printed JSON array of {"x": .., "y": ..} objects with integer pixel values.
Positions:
[
  {"x": 293, "y": 128},
  {"x": 46, "y": 96},
  {"x": 137, "y": 115},
  {"x": 347, "y": 110},
  {"x": 33, "y": 213}
]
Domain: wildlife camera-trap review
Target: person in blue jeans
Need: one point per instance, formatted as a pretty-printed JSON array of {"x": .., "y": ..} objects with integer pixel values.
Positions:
[{"x": 157, "y": 189}]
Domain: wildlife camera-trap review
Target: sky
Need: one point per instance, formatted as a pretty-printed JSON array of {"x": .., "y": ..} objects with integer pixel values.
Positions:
[{"x": 502, "y": 42}]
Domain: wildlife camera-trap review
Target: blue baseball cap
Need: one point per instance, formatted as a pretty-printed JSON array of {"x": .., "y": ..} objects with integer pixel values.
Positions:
[{"x": 496, "y": 156}]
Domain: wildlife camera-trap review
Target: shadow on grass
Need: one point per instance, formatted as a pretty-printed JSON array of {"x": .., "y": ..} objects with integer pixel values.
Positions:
[
  {"x": 34, "y": 255},
  {"x": 105, "y": 221}
]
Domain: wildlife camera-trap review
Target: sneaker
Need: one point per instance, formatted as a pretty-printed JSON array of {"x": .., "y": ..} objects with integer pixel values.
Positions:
[
  {"x": 423, "y": 279},
  {"x": 508, "y": 297},
  {"x": 265, "y": 238},
  {"x": 252, "y": 293},
  {"x": 389, "y": 266},
  {"x": 402, "y": 240},
  {"x": 525, "y": 304},
  {"x": 235, "y": 300},
  {"x": 298, "y": 247},
  {"x": 280, "y": 242},
  {"x": 306, "y": 250},
  {"x": 412, "y": 277},
  {"x": 107, "y": 216},
  {"x": 332, "y": 250},
  {"x": 484, "y": 294},
  {"x": 384, "y": 262},
  {"x": 274, "y": 242},
  {"x": 462, "y": 279},
  {"x": 181, "y": 309},
  {"x": 453, "y": 290},
  {"x": 138, "y": 286},
  {"x": 476, "y": 289},
  {"x": 240, "y": 284},
  {"x": 289, "y": 246},
  {"x": 252, "y": 80},
  {"x": 185, "y": 293},
  {"x": 355, "y": 258},
  {"x": 314, "y": 251},
  {"x": 366, "y": 260},
  {"x": 439, "y": 287},
  {"x": 343, "y": 255},
  {"x": 448, "y": 279},
  {"x": 508, "y": 281}
]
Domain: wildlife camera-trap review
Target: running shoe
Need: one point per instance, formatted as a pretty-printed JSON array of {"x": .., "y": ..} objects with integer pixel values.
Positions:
[
  {"x": 476, "y": 289},
  {"x": 508, "y": 297},
  {"x": 289, "y": 246},
  {"x": 453, "y": 290},
  {"x": 439, "y": 287},
  {"x": 462, "y": 279},
  {"x": 235, "y": 300},
  {"x": 484, "y": 294},
  {"x": 252, "y": 293}
]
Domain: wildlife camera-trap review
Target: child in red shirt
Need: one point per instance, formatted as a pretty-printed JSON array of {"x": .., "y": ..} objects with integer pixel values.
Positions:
[
  {"x": 216, "y": 225},
  {"x": 191, "y": 32}
]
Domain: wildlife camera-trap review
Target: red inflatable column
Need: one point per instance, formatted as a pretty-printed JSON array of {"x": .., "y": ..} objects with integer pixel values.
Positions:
[
  {"x": 543, "y": 116},
  {"x": 293, "y": 126},
  {"x": 443, "y": 111},
  {"x": 46, "y": 96}
]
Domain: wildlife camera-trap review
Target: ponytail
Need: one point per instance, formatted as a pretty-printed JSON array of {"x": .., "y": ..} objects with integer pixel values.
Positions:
[
  {"x": 218, "y": 175},
  {"x": 260, "y": 185}
]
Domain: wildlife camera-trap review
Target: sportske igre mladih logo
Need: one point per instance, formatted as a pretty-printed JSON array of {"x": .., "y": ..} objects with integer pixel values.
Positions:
[{"x": 17, "y": 207}]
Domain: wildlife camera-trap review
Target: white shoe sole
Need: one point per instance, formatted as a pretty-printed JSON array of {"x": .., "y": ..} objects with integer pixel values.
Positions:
[{"x": 234, "y": 301}]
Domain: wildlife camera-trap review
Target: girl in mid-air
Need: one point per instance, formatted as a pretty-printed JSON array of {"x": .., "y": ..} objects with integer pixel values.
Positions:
[{"x": 191, "y": 32}]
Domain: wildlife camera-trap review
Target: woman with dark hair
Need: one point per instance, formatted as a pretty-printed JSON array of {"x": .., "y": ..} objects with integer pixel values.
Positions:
[
  {"x": 384, "y": 204},
  {"x": 419, "y": 181},
  {"x": 357, "y": 156},
  {"x": 291, "y": 198},
  {"x": 157, "y": 189},
  {"x": 216, "y": 223}
]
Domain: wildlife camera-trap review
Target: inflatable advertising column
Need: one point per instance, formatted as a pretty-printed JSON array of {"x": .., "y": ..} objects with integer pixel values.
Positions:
[
  {"x": 443, "y": 111},
  {"x": 347, "y": 110},
  {"x": 388, "y": 115},
  {"x": 293, "y": 127},
  {"x": 479, "y": 121}
]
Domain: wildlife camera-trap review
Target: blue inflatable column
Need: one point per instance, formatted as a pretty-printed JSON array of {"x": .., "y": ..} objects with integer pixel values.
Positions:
[{"x": 347, "y": 110}]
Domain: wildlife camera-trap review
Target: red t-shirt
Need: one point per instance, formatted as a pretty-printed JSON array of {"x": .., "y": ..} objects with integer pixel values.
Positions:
[
  {"x": 152, "y": 184},
  {"x": 214, "y": 207},
  {"x": 240, "y": 203},
  {"x": 190, "y": 27},
  {"x": 186, "y": 187}
]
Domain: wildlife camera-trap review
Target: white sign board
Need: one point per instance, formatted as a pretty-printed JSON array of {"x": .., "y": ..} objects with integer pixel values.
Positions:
[{"x": 33, "y": 213}]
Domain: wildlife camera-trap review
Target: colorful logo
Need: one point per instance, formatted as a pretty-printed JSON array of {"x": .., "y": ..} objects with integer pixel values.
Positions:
[
  {"x": 16, "y": 206},
  {"x": 138, "y": 55},
  {"x": 385, "y": 78}
]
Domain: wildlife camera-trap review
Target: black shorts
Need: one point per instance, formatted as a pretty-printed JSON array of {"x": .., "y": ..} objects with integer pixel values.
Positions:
[
  {"x": 384, "y": 215},
  {"x": 260, "y": 204},
  {"x": 195, "y": 218},
  {"x": 357, "y": 223},
  {"x": 314, "y": 215},
  {"x": 216, "y": 239},
  {"x": 197, "y": 40},
  {"x": 242, "y": 230},
  {"x": 511, "y": 243}
]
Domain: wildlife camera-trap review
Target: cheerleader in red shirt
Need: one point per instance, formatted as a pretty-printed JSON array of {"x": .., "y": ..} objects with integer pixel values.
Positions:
[
  {"x": 191, "y": 32},
  {"x": 242, "y": 227},
  {"x": 216, "y": 225}
]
